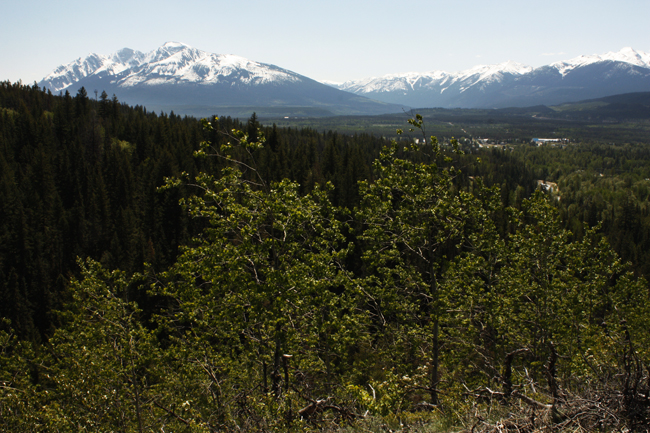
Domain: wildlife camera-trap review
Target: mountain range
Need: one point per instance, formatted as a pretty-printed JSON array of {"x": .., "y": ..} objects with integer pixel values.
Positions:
[
  {"x": 191, "y": 81},
  {"x": 512, "y": 84}
]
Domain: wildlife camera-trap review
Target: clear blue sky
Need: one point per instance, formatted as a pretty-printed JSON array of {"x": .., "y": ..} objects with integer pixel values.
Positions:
[{"x": 333, "y": 40}]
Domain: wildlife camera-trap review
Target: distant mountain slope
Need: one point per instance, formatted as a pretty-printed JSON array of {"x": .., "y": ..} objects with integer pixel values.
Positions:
[
  {"x": 512, "y": 84},
  {"x": 616, "y": 108},
  {"x": 624, "y": 108},
  {"x": 187, "y": 80}
]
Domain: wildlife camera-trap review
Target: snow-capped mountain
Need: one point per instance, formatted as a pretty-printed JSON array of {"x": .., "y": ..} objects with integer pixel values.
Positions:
[
  {"x": 626, "y": 55},
  {"x": 412, "y": 81},
  {"x": 172, "y": 63},
  {"x": 94, "y": 64},
  {"x": 188, "y": 80},
  {"x": 513, "y": 84}
]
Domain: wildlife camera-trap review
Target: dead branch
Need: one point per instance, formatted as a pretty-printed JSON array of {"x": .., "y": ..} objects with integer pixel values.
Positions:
[{"x": 170, "y": 412}]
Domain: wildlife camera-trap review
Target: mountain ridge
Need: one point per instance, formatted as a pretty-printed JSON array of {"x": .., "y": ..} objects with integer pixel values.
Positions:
[
  {"x": 187, "y": 80},
  {"x": 511, "y": 83}
]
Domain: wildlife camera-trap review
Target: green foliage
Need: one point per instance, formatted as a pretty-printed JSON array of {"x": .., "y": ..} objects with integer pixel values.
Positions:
[
  {"x": 265, "y": 282},
  {"x": 269, "y": 304},
  {"x": 102, "y": 371},
  {"x": 19, "y": 402},
  {"x": 542, "y": 314},
  {"x": 414, "y": 220}
]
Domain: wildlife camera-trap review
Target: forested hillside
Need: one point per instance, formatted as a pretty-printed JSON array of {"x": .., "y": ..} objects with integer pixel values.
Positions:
[
  {"x": 80, "y": 178},
  {"x": 163, "y": 273}
]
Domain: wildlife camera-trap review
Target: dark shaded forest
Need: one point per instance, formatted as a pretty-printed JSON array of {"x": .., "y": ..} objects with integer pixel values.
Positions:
[
  {"x": 158, "y": 271},
  {"x": 80, "y": 178}
]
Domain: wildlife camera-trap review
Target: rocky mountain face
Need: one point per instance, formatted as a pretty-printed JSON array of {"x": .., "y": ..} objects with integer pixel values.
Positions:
[{"x": 512, "y": 84}]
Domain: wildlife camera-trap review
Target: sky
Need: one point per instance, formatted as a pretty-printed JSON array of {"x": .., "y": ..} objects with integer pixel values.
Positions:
[{"x": 335, "y": 40}]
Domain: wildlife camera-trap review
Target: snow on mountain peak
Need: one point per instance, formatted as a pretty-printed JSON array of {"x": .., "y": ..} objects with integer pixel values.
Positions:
[
  {"x": 179, "y": 63},
  {"x": 629, "y": 55},
  {"x": 625, "y": 55},
  {"x": 172, "y": 44},
  {"x": 127, "y": 56},
  {"x": 172, "y": 48},
  {"x": 480, "y": 75},
  {"x": 406, "y": 82},
  {"x": 173, "y": 62},
  {"x": 487, "y": 71},
  {"x": 93, "y": 64}
]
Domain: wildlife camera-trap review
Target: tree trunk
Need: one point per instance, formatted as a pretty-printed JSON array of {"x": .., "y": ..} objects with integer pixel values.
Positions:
[
  {"x": 276, "y": 376},
  {"x": 435, "y": 361}
]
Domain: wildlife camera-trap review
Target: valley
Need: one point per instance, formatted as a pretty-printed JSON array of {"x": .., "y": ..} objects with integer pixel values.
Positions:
[{"x": 616, "y": 119}]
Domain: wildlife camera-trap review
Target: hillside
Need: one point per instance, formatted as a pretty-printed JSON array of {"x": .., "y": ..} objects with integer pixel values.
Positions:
[{"x": 164, "y": 273}]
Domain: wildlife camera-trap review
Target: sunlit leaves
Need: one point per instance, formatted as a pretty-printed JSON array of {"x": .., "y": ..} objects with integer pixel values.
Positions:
[{"x": 265, "y": 279}]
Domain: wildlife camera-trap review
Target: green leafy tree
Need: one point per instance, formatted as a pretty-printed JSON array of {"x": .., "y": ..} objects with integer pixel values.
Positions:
[
  {"x": 20, "y": 405},
  {"x": 542, "y": 317},
  {"x": 103, "y": 372},
  {"x": 260, "y": 303},
  {"x": 413, "y": 218}
]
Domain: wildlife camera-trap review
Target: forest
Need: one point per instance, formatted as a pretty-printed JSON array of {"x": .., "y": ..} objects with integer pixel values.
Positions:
[{"x": 166, "y": 273}]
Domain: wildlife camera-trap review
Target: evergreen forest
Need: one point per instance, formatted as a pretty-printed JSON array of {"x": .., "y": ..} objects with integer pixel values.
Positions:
[{"x": 165, "y": 273}]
